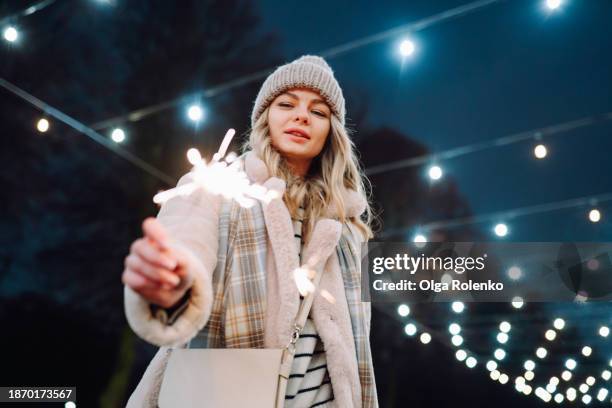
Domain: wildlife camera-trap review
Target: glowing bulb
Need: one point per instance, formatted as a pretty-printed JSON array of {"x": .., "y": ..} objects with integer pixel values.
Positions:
[
  {"x": 594, "y": 215},
  {"x": 566, "y": 375},
  {"x": 540, "y": 151},
  {"x": 529, "y": 365},
  {"x": 460, "y": 355},
  {"x": 42, "y": 125},
  {"x": 419, "y": 238},
  {"x": 503, "y": 378},
  {"x": 559, "y": 323},
  {"x": 570, "y": 393},
  {"x": 457, "y": 340},
  {"x": 554, "y": 381},
  {"x": 195, "y": 113},
  {"x": 406, "y": 48},
  {"x": 454, "y": 328},
  {"x": 403, "y": 310},
  {"x": 501, "y": 230},
  {"x": 590, "y": 380},
  {"x": 543, "y": 394},
  {"x": 10, "y": 34},
  {"x": 515, "y": 273},
  {"x": 541, "y": 352},
  {"x": 499, "y": 354},
  {"x": 435, "y": 172},
  {"x": 586, "y": 399},
  {"x": 606, "y": 375},
  {"x": 517, "y": 302},
  {"x": 559, "y": 398},
  {"x": 457, "y": 307},
  {"x": 550, "y": 335},
  {"x": 604, "y": 331},
  {"x": 118, "y": 135},
  {"x": 502, "y": 338},
  {"x": 570, "y": 363},
  {"x": 529, "y": 375},
  {"x": 586, "y": 351},
  {"x": 471, "y": 362},
  {"x": 504, "y": 327},
  {"x": 425, "y": 338},
  {"x": 491, "y": 365},
  {"x": 602, "y": 394},
  {"x": 495, "y": 375},
  {"x": 583, "y": 388},
  {"x": 553, "y": 4},
  {"x": 527, "y": 389},
  {"x": 410, "y": 329}
]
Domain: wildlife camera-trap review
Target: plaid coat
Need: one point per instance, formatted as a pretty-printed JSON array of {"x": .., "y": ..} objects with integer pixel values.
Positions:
[{"x": 244, "y": 295}]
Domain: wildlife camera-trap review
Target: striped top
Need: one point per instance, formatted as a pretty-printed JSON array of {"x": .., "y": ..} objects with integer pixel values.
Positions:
[{"x": 309, "y": 384}]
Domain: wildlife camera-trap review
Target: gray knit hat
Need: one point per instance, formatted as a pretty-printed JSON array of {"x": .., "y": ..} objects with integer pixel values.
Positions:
[{"x": 308, "y": 71}]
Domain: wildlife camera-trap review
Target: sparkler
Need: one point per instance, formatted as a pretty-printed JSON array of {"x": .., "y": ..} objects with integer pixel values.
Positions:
[{"x": 222, "y": 176}]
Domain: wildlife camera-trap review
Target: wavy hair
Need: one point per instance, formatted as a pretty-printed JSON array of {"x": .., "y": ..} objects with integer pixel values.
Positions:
[{"x": 331, "y": 174}]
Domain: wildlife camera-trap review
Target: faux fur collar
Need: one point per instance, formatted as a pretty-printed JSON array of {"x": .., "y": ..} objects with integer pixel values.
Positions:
[{"x": 257, "y": 172}]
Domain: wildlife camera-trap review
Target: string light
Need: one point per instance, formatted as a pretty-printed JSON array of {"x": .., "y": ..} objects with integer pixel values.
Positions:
[
  {"x": 550, "y": 335},
  {"x": 529, "y": 365},
  {"x": 594, "y": 215},
  {"x": 195, "y": 113},
  {"x": 566, "y": 375},
  {"x": 118, "y": 135},
  {"x": 570, "y": 363},
  {"x": 553, "y": 4},
  {"x": 471, "y": 362},
  {"x": 586, "y": 399},
  {"x": 419, "y": 238},
  {"x": 499, "y": 354},
  {"x": 403, "y": 310},
  {"x": 461, "y": 355},
  {"x": 515, "y": 273},
  {"x": 435, "y": 172},
  {"x": 529, "y": 375},
  {"x": 504, "y": 327},
  {"x": 559, "y": 323},
  {"x": 570, "y": 394},
  {"x": 583, "y": 388},
  {"x": 586, "y": 351},
  {"x": 590, "y": 380},
  {"x": 540, "y": 151},
  {"x": 406, "y": 48},
  {"x": 604, "y": 331},
  {"x": 502, "y": 338},
  {"x": 606, "y": 375},
  {"x": 541, "y": 352},
  {"x": 457, "y": 340},
  {"x": 559, "y": 398},
  {"x": 491, "y": 365},
  {"x": 425, "y": 338},
  {"x": 10, "y": 34},
  {"x": 517, "y": 302},
  {"x": 457, "y": 307},
  {"x": 602, "y": 394},
  {"x": 42, "y": 125},
  {"x": 410, "y": 329},
  {"x": 454, "y": 328},
  {"x": 501, "y": 229}
]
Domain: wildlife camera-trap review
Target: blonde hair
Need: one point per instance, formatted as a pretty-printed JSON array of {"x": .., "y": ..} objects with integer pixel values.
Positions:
[{"x": 334, "y": 171}]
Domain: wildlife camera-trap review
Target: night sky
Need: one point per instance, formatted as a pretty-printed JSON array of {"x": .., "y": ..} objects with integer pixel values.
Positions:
[{"x": 74, "y": 206}]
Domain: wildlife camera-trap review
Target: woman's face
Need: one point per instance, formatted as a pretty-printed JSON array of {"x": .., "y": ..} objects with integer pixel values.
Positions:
[{"x": 299, "y": 124}]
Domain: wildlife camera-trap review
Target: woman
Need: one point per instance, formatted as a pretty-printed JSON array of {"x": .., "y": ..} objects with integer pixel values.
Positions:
[{"x": 209, "y": 273}]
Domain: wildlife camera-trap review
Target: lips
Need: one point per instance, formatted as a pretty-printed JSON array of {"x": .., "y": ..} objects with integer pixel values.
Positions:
[{"x": 298, "y": 133}]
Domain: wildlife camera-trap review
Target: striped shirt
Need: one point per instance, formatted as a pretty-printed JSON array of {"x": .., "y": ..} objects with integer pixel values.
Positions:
[{"x": 309, "y": 384}]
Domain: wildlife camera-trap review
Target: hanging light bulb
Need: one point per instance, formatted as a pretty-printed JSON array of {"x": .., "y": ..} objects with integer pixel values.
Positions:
[
  {"x": 594, "y": 215},
  {"x": 195, "y": 112},
  {"x": 118, "y": 135},
  {"x": 540, "y": 151},
  {"x": 501, "y": 229},
  {"x": 42, "y": 125},
  {"x": 10, "y": 34},
  {"x": 435, "y": 172},
  {"x": 406, "y": 48},
  {"x": 553, "y": 4}
]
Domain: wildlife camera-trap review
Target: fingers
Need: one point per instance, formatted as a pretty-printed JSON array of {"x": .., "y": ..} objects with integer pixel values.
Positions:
[
  {"x": 137, "y": 281},
  {"x": 151, "y": 271},
  {"x": 153, "y": 230},
  {"x": 152, "y": 254}
]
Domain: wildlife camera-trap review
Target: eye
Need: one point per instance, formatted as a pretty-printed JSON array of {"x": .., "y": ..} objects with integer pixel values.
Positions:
[
  {"x": 285, "y": 104},
  {"x": 319, "y": 113}
]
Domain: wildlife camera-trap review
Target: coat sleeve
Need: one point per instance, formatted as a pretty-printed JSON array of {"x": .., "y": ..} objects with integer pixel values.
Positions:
[{"x": 192, "y": 224}]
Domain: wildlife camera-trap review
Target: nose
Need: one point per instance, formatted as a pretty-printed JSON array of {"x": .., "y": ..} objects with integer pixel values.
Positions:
[{"x": 301, "y": 116}]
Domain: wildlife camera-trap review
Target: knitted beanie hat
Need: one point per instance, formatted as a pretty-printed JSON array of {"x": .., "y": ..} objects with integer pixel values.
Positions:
[{"x": 308, "y": 71}]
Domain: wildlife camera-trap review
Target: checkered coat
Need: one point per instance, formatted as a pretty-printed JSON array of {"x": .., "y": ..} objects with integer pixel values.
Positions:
[{"x": 244, "y": 295}]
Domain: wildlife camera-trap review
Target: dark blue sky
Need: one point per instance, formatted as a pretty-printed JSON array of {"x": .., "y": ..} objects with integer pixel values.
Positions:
[{"x": 507, "y": 68}]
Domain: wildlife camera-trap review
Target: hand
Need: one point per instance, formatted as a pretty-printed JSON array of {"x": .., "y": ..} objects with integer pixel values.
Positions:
[{"x": 156, "y": 269}]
